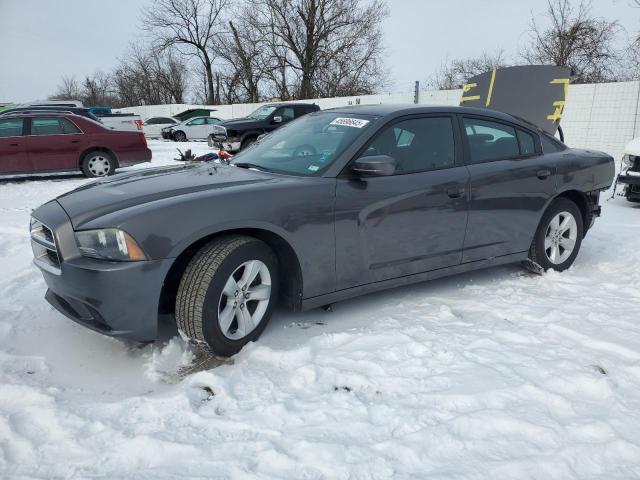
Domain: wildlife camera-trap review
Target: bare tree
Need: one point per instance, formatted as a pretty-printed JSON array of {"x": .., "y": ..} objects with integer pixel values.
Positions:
[
  {"x": 309, "y": 38},
  {"x": 191, "y": 26},
  {"x": 454, "y": 74},
  {"x": 69, "y": 89},
  {"x": 575, "y": 38},
  {"x": 146, "y": 76}
]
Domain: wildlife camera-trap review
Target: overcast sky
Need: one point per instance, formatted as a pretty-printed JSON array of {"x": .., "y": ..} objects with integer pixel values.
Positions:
[{"x": 42, "y": 40}]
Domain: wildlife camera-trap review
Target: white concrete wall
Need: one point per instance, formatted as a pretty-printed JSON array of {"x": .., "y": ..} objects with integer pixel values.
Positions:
[{"x": 600, "y": 116}]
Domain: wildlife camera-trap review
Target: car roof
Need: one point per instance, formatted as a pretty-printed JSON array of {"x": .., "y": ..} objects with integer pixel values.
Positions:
[
  {"x": 290, "y": 104},
  {"x": 35, "y": 113},
  {"x": 395, "y": 109}
]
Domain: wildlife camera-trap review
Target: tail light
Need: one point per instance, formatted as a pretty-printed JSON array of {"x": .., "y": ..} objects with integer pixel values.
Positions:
[{"x": 138, "y": 124}]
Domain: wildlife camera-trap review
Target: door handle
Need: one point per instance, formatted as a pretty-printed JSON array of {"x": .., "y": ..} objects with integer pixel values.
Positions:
[
  {"x": 75, "y": 141},
  {"x": 14, "y": 144},
  {"x": 543, "y": 174},
  {"x": 455, "y": 192}
]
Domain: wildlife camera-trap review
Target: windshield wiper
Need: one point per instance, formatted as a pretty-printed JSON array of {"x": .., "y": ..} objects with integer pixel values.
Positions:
[{"x": 250, "y": 165}]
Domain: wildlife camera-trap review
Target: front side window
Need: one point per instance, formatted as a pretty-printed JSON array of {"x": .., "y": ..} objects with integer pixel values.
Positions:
[
  {"x": 197, "y": 121},
  {"x": 11, "y": 127},
  {"x": 286, "y": 113},
  {"x": 489, "y": 141},
  {"x": 417, "y": 145},
  {"x": 307, "y": 146},
  {"x": 52, "y": 126},
  {"x": 262, "y": 112}
]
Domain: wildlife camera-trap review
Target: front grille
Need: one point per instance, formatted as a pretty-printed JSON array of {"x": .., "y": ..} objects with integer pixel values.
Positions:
[{"x": 44, "y": 247}]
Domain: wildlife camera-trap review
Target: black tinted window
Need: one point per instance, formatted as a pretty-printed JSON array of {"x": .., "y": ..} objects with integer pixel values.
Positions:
[
  {"x": 52, "y": 126},
  {"x": 490, "y": 141},
  {"x": 153, "y": 121},
  {"x": 11, "y": 127},
  {"x": 527, "y": 144},
  {"x": 417, "y": 145},
  {"x": 549, "y": 145}
]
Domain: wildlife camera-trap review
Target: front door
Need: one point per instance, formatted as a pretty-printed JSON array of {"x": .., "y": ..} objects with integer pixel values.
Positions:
[
  {"x": 410, "y": 222},
  {"x": 54, "y": 143},
  {"x": 511, "y": 182},
  {"x": 197, "y": 128},
  {"x": 13, "y": 152}
]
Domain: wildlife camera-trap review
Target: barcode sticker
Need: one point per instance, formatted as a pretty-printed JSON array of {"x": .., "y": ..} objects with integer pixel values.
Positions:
[{"x": 350, "y": 122}]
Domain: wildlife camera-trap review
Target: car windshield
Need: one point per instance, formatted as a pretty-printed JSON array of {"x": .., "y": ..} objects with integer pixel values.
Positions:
[
  {"x": 262, "y": 112},
  {"x": 306, "y": 146}
]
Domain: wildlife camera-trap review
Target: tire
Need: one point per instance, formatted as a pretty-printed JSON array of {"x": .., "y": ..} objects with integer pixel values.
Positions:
[
  {"x": 203, "y": 308},
  {"x": 180, "y": 136},
  {"x": 98, "y": 164},
  {"x": 247, "y": 142},
  {"x": 557, "y": 248}
]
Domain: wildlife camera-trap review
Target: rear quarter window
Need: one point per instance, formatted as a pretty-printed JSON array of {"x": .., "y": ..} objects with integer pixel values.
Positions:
[{"x": 550, "y": 145}]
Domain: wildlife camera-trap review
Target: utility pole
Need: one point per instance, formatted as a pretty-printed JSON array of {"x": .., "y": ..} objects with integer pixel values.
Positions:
[{"x": 416, "y": 92}]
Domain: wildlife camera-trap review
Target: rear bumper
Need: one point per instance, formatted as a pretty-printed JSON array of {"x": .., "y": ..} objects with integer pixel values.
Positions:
[{"x": 133, "y": 158}]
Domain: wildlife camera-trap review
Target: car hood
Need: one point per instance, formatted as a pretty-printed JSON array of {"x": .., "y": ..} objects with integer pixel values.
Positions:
[
  {"x": 239, "y": 123},
  {"x": 122, "y": 191},
  {"x": 633, "y": 147}
]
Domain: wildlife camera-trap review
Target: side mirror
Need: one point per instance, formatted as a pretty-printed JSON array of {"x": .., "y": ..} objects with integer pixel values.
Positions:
[
  {"x": 375, "y": 165},
  {"x": 277, "y": 119}
]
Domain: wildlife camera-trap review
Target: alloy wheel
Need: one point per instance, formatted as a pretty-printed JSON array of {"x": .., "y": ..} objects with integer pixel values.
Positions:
[
  {"x": 244, "y": 299},
  {"x": 560, "y": 238}
]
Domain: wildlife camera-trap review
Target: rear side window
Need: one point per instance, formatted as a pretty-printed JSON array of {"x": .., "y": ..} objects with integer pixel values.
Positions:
[
  {"x": 527, "y": 144},
  {"x": 52, "y": 126},
  {"x": 11, "y": 127},
  {"x": 213, "y": 121},
  {"x": 549, "y": 145},
  {"x": 489, "y": 141}
]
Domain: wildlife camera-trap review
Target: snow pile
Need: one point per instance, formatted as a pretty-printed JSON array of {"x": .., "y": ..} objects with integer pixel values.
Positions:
[{"x": 495, "y": 374}]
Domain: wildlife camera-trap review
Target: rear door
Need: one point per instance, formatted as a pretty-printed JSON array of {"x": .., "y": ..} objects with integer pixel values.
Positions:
[
  {"x": 54, "y": 143},
  {"x": 410, "y": 222},
  {"x": 13, "y": 151},
  {"x": 511, "y": 181}
]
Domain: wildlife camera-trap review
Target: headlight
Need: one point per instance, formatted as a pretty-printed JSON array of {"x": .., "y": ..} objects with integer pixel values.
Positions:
[
  {"x": 628, "y": 160},
  {"x": 109, "y": 244}
]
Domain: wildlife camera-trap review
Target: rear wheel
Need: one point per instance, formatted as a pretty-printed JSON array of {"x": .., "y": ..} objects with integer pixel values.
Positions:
[
  {"x": 98, "y": 164},
  {"x": 226, "y": 295},
  {"x": 559, "y": 236}
]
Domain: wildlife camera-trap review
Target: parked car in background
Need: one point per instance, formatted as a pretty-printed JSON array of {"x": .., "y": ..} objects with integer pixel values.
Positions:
[
  {"x": 63, "y": 142},
  {"x": 242, "y": 132},
  {"x": 52, "y": 103},
  {"x": 118, "y": 121},
  {"x": 337, "y": 204},
  {"x": 83, "y": 112},
  {"x": 197, "y": 128},
  {"x": 152, "y": 127},
  {"x": 630, "y": 172}
]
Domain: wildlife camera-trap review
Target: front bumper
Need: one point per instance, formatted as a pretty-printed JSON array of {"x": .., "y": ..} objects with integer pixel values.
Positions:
[
  {"x": 119, "y": 299},
  {"x": 629, "y": 179}
]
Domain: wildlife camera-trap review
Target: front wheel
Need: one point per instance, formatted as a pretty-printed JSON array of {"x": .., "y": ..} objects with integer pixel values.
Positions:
[
  {"x": 180, "y": 136},
  {"x": 559, "y": 236},
  {"x": 227, "y": 293}
]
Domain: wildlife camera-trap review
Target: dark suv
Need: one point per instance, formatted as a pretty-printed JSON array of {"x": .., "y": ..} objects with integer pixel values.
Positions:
[{"x": 242, "y": 132}]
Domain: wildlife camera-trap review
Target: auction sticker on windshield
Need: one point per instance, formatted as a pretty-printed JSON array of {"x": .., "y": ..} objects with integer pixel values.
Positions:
[{"x": 350, "y": 122}]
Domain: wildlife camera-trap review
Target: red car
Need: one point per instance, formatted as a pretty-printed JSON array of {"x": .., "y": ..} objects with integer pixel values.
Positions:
[{"x": 57, "y": 141}]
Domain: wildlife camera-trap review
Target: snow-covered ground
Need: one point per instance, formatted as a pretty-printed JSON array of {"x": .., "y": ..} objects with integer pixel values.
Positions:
[{"x": 491, "y": 375}]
